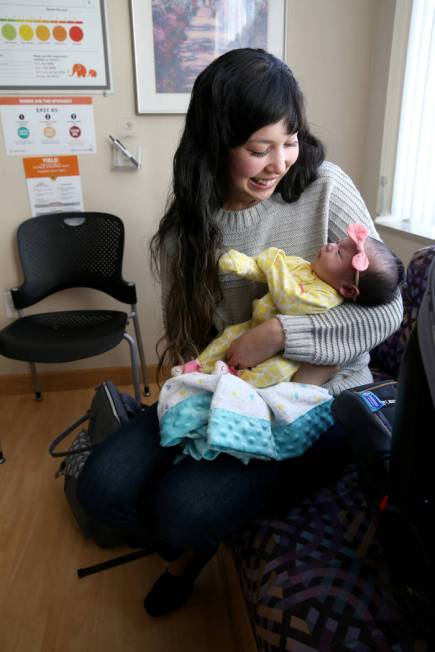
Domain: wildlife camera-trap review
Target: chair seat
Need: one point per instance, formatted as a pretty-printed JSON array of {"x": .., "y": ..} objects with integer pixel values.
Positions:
[
  {"x": 63, "y": 336},
  {"x": 317, "y": 579}
]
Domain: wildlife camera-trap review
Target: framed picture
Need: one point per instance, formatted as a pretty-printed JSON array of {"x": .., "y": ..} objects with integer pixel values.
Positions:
[{"x": 175, "y": 39}]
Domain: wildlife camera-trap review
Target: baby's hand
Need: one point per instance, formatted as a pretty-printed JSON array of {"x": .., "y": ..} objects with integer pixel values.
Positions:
[
  {"x": 222, "y": 368},
  {"x": 241, "y": 265},
  {"x": 187, "y": 368}
]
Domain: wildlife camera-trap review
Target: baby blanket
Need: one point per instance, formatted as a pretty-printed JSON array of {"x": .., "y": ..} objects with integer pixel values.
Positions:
[{"x": 209, "y": 414}]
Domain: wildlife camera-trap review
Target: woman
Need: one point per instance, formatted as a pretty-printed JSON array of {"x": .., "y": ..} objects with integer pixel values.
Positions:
[{"x": 248, "y": 174}]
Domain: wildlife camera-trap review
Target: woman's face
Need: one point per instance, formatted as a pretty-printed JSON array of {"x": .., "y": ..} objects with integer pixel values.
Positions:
[{"x": 257, "y": 166}]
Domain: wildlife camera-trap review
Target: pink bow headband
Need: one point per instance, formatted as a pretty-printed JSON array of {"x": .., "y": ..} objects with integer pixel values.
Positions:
[{"x": 358, "y": 233}]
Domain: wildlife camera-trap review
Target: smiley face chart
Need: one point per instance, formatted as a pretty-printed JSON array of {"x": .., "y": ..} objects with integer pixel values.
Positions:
[{"x": 45, "y": 46}]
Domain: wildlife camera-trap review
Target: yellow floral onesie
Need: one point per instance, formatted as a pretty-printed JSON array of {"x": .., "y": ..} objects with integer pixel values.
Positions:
[{"x": 294, "y": 289}]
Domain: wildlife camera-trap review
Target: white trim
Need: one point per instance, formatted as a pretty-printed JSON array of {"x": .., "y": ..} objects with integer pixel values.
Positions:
[
  {"x": 413, "y": 190},
  {"x": 418, "y": 231},
  {"x": 402, "y": 20}
]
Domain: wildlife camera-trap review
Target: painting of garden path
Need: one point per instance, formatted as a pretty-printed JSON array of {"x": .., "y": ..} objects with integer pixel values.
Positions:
[{"x": 189, "y": 34}]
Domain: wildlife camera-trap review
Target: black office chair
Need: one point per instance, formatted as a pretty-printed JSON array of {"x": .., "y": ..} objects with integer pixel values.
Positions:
[{"x": 66, "y": 250}]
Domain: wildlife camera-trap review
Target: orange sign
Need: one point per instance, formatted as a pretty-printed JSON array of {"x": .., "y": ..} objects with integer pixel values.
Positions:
[
  {"x": 53, "y": 183},
  {"x": 51, "y": 166},
  {"x": 50, "y": 101}
]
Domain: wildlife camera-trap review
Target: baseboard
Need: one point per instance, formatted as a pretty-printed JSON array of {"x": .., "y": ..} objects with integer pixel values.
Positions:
[{"x": 51, "y": 381}]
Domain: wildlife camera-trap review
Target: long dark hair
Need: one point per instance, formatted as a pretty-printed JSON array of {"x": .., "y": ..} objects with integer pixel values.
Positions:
[{"x": 237, "y": 94}]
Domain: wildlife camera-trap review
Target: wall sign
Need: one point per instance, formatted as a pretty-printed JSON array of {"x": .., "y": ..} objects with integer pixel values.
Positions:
[
  {"x": 48, "y": 125},
  {"x": 53, "y": 184},
  {"x": 53, "y": 45}
]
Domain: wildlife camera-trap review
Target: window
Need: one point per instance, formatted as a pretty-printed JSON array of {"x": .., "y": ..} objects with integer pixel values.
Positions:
[{"x": 407, "y": 188}]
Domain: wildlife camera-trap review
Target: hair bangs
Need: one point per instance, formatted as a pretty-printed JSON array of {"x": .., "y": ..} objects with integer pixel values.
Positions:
[{"x": 268, "y": 98}]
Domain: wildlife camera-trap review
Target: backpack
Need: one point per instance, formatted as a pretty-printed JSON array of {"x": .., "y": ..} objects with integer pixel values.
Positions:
[
  {"x": 366, "y": 413},
  {"x": 391, "y": 429},
  {"x": 108, "y": 411}
]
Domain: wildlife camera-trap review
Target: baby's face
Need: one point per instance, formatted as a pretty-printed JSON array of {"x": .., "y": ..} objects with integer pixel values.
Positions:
[{"x": 333, "y": 263}]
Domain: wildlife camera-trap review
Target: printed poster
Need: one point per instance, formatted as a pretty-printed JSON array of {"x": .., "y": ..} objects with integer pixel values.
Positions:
[
  {"x": 48, "y": 125},
  {"x": 46, "y": 44},
  {"x": 53, "y": 184}
]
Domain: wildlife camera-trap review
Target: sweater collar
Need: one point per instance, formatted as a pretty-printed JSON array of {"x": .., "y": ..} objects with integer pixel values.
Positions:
[{"x": 246, "y": 217}]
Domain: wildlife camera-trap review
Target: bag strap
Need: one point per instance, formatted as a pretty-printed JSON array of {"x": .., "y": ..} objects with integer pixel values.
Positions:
[
  {"x": 116, "y": 561},
  {"x": 56, "y": 441}
]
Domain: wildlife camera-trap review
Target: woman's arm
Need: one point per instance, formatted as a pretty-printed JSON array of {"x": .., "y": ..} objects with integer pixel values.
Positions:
[
  {"x": 256, "y": 345},
  {"x": 341, "y": 334},
  {"x": 331, "y": 338}
]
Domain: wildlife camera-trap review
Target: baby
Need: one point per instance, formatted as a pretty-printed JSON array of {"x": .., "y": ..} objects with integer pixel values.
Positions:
[{"x": 358, "y": 268}]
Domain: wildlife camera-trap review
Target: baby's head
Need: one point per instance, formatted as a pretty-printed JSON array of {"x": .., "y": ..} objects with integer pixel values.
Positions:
[{"x": 336, "y": 263}]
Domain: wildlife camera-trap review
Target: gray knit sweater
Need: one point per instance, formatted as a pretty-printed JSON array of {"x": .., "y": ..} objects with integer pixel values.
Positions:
[{"x": 341, "y": 336}]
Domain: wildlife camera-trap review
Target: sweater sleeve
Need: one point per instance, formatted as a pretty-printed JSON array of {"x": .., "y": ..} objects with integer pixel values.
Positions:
[{"x": 342, "y": 333}]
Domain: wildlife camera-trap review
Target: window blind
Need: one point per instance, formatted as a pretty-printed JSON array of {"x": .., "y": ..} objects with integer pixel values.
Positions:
[{"x": 413, "y": 197}]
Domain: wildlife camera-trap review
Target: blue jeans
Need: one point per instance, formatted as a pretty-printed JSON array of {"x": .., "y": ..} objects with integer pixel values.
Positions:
[{"x": 131, "y": 483}]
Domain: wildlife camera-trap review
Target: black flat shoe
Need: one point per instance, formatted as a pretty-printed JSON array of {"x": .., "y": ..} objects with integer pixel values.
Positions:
[{"x": 169, "y": 593}]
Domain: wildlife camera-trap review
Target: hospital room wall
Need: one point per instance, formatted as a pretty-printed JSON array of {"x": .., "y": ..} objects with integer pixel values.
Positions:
[{"x": 331, "y": 46}]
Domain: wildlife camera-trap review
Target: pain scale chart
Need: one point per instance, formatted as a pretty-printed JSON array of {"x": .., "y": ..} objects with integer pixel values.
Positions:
[{"x": 60, "y": 45}]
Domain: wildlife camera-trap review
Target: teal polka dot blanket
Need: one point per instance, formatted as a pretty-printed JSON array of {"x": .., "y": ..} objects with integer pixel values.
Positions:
[{"x": 209, "y": 414}]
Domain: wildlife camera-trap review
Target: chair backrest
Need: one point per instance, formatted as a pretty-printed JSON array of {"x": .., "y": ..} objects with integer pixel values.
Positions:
[
  {"x": 426, "y": 331},
  {"x": 66, "y": 250},
  {"x": 387, "y": 356},
  {"x": 410, "y": 515}
]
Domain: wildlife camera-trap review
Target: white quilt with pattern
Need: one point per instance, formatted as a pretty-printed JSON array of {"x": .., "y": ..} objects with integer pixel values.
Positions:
[{"x": 209, "y": 414}]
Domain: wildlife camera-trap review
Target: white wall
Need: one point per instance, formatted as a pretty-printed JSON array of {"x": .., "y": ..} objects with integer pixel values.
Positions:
[
  {"x": 137, "y": 197},
  {"x": 330, "y": 48}
]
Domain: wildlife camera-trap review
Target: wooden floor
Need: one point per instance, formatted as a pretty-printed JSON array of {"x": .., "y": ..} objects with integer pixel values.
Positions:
[{"x": 44, "y": 607}]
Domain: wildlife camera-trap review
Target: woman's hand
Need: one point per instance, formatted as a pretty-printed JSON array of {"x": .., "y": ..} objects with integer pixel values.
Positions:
[{"x": 256, "y": 345}]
